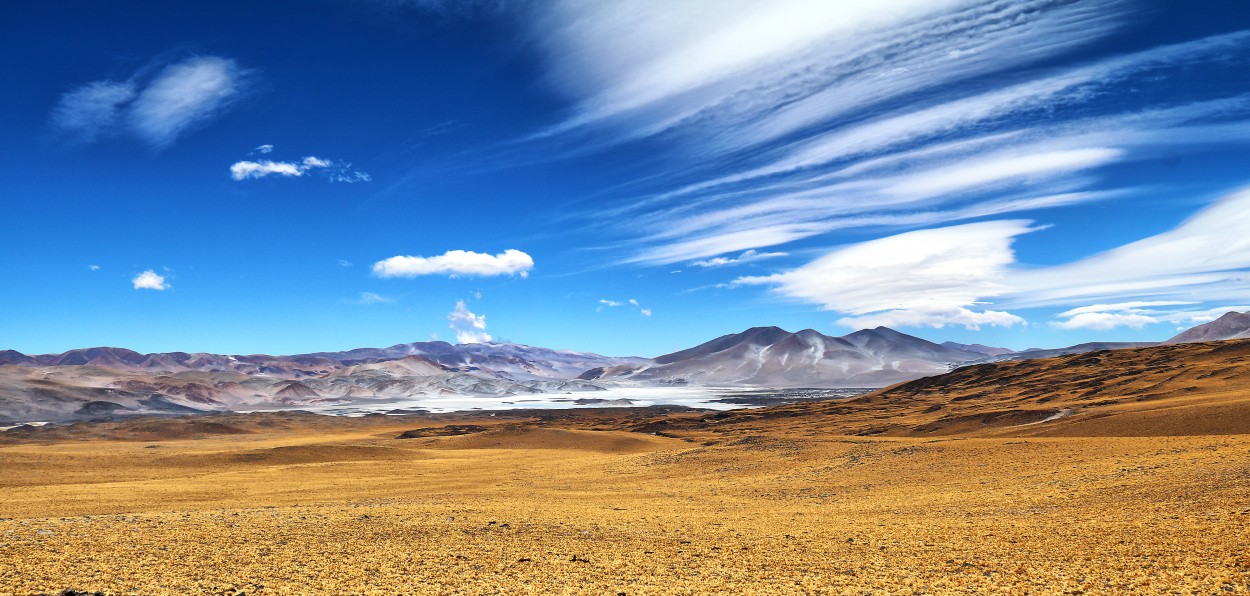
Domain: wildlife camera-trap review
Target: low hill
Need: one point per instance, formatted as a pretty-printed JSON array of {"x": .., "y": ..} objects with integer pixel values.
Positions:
[{"x": 1183, "y": 389}]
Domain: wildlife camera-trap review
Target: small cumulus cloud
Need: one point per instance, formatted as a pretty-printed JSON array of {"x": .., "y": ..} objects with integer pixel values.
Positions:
[
  {"x": 263, "y": 149},
  {"x": 469, "y": 328},
  {"x": 93, "y": 267},
  {"x": 150, "y": 280},
  {"x": 457, "y": 263},
  {"x": 746, "y": 257},
  {"x": 605, "y": 303},
  {"x": 334, "y": 171},
  {"x": 156, "y": 109}
]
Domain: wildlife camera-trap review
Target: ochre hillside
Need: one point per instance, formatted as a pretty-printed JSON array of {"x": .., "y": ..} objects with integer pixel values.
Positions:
[{"x": 1186, "y": 389}]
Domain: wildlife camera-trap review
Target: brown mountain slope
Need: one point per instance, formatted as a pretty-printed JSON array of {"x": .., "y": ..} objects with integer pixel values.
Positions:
[
  {"x": 1187, "y": 389},
  {"x": 1233, "y": 325}
]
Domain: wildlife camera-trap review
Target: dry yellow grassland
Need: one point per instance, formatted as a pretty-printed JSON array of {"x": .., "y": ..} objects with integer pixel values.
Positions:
[
  {"x": 526, "y": 509},
  {"x": 954, "y": 484}
]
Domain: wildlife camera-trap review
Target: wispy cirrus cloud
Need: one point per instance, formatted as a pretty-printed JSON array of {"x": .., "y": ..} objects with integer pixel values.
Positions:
[
  {"x": 749, "y": 256},
  {"x": 457, "y": 263},
  {"x": 790, "y": 120},
  {"x": 154, "y": 105},
  {"x": 370, "y": 298},
  {"x": 968, "y": 275}
]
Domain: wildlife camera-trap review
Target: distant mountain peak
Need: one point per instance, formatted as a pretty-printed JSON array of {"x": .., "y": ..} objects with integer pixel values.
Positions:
[
  {"x": 772, "y": 356},
  {"x": 1230, "y": 325}
]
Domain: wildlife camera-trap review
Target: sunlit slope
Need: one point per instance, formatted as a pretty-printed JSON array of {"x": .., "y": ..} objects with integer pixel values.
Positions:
[{"x": 1186, "y": 389}]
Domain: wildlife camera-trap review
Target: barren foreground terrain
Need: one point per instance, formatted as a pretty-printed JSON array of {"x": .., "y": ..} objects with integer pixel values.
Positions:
[{"x": 803, "y": 500}]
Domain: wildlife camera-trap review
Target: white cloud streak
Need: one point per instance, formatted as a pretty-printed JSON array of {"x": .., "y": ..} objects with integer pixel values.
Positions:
[
  {"x": 156, "y": 109},
  {"x": 469, "y": 328},
  {"x": 798, "y": 118},
  {"x": 457, "y": 263},
  {"x": 749, "y": 256},
  {"x": 150, "y": 280},
  {"x": 968, "y": 275},
  {"x": 331, "y": 170},
  {"x": 926, "y": 277},
  {"x": 1103, "y": 321},
  {"x": 259, "y": 169}
]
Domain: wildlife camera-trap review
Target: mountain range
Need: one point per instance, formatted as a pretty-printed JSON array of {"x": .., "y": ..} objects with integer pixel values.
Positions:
[{"x": 107, "y": 381}]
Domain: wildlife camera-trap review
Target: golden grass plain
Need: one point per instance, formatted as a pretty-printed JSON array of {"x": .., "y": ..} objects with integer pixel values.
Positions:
[{"x": 782, "y": 501}]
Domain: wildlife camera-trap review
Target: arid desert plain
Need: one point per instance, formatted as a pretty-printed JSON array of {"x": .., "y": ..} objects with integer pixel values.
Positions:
[{"x": 966, "y": 482}]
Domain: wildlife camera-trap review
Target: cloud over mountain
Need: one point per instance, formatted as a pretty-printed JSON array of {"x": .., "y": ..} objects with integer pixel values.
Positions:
[{"x": 470, "y": 328}]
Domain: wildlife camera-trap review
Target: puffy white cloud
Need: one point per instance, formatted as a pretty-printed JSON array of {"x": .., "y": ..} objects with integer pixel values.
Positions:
[
  {"x": 457, "y": 263},
  {"x": 746, "y": 257},
  {"x": 149, "y": 280},
  {"x": 927, "y": 277},
  {"x": 646, "y": 312},
  {"x": 470, "y": 328},
  {"x": 154, "y": 108},
  {"x": 611, "y": 303}
]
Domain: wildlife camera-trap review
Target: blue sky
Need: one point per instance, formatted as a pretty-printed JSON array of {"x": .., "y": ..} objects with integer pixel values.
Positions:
[{"x": 625, "y": 178}]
